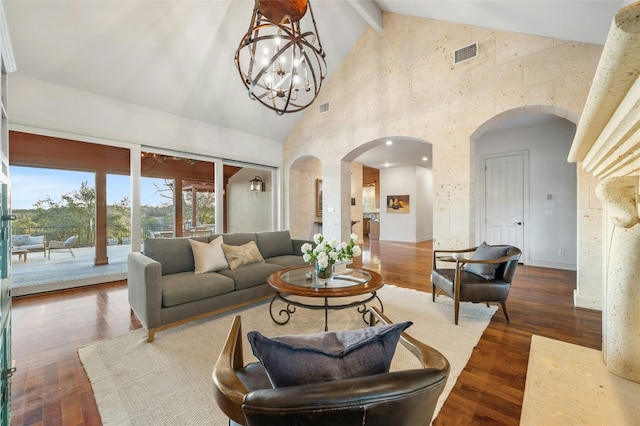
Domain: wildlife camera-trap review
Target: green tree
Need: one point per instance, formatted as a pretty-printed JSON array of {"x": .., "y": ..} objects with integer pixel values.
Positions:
[
  {"x": 119, "y": 220},
  {"x": 74, "y": 214},
  {"x": 24, "y": 222}
]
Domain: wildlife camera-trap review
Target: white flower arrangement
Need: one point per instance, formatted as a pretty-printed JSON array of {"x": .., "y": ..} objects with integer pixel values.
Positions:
[{"x": 327, "y": 252}]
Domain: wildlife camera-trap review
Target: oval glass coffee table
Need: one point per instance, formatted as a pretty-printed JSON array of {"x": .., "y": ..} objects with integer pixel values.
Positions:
[{"x": 295, "y": 285}]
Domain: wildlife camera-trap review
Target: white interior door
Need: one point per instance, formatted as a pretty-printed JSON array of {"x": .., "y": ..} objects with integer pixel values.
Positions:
[{"x": 504, "y": 182}]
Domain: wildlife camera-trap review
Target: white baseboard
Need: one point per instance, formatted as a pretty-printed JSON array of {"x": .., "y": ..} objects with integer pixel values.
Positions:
[{"x": 553, "y": 265}]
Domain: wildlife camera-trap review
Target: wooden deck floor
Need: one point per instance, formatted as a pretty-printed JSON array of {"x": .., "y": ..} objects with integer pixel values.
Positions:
[{"x": 40, "y": 274}]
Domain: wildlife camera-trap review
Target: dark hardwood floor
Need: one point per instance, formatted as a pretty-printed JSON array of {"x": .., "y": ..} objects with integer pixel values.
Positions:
[{"x": 50, "y": 386}]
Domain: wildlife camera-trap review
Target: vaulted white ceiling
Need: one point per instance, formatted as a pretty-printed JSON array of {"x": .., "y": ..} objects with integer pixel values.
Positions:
[{"x": 177, "y": 55}]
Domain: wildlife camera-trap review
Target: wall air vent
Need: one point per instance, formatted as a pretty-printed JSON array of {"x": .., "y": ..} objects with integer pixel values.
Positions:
[
  {"x": 324, "y": 107},
  {"x": 465, "y": 53}
]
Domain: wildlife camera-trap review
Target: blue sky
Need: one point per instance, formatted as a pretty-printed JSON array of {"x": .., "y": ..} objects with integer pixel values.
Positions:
[{"x": 29, "y": 185}]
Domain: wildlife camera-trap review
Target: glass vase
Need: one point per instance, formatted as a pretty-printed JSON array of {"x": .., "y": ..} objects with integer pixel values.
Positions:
[{"x": 323, "y": 274}]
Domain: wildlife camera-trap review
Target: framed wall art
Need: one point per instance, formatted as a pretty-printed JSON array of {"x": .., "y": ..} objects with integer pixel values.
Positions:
[
  {"x": 318, "y": 197},
  {"x": 397, "y": 203}
]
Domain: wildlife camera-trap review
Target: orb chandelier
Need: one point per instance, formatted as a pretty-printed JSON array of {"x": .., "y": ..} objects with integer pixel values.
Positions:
[{"x": 280, "y": 64}]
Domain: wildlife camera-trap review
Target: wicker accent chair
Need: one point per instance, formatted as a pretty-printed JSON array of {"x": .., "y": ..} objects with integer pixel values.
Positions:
[
  {"x": 69, "y": 243},
  {"x": 399, "y": 398}
]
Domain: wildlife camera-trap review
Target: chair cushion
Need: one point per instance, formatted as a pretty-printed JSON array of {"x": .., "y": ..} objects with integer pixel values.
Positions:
[
  {"x": 37, "y": 239},
  {"x": 70, "y": 241},
  {"x": 242, "y": 255},
  {"x": 313, "y": 358},
  {"x": 485, "y": 252},
  {"x": 208, "y": 257}
]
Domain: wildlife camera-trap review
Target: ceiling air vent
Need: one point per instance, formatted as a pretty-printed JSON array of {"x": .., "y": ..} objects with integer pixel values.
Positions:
[
  {"x": 324, "y": 107},
  {"x": 465, "y": 53}
]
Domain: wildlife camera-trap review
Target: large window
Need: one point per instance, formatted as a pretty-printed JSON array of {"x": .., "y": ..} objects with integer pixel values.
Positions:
[
  {"x": 199, "y": 207},
  {"x": 156, "y": 211},
  {"x": 65, "y": 188}
]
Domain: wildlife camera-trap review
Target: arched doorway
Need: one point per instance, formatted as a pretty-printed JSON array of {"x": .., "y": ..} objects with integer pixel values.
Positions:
[
  {"x": 404, "y": 166},
  {"x": 526, "y": 191}
]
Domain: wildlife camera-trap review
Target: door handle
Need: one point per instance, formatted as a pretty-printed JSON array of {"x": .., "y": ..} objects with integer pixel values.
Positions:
[
  {"x": 518, "y": 223},
  {"x": 8, "y": 217}
]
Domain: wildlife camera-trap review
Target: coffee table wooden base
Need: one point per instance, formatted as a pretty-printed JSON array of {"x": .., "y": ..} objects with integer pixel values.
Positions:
[{"x": 284, "y": 314}]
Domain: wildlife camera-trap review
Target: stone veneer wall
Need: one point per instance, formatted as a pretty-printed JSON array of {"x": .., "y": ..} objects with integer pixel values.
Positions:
[
  {"x": 302, "y": 197},
  {"x": 402, "y": 82}
]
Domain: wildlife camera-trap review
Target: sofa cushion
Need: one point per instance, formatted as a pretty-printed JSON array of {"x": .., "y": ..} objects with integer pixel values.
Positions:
[
  {"x": 276, "y": 243},
  {"x": 187, "y": 287},
  {"x": 312, "y": 358},
  {"x": 208, "y": 257},
  {"x": 174, "y": 254},
  {"x": 238, "y": 238},
  {"x": 37, "y": 239},
  {"x": 251, "y": 275},
  {"x": 20, "y": 240},
  {"x": 242, "y": 255},
  {"x": 485, "y": 252},
  {"x": 286, "y": 261}
]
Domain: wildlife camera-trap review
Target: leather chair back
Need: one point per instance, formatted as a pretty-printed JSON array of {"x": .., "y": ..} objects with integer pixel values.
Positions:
[
  {"x": 402, "y": 398},
  {"x": 506, "y": 271}
]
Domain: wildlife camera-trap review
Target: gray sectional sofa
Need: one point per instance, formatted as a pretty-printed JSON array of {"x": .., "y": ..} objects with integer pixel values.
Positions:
[{"x": 165, "y": 291}]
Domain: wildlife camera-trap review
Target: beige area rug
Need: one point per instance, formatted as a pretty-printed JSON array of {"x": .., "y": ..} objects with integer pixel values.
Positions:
[
  {"x": 168, "y": 382},
  {"x": 569, "y": 384}
]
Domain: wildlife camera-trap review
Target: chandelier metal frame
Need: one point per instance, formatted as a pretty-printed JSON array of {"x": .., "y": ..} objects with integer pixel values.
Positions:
[{"x": 281, "y": 66}]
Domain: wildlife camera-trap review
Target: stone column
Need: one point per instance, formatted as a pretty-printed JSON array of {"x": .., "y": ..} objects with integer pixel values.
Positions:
[{"x": 621, "y": 314}]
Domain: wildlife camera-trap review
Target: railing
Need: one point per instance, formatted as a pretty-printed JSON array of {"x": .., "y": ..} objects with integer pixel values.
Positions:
[{"x": 116, "y": 234}]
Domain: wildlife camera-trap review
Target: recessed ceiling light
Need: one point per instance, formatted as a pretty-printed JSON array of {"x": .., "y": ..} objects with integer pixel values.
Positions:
[
  {"x": 424, "y": 158},
  {"x": 386, "y": 164},
  {"x": 389, "y": 142}
]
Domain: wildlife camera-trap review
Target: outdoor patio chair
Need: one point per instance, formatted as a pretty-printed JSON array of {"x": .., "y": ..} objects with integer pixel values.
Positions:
[{"x": 66, "y": 244}]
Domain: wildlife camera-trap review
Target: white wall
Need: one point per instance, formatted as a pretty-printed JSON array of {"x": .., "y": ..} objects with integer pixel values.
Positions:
[
  {"x": 52, "y": 110},
  {"x": 548, "y": 231},
  {"x": 417, "y": 225},
  {"x": 249, "y": 211},
  {"x": 55, "y": 110}
]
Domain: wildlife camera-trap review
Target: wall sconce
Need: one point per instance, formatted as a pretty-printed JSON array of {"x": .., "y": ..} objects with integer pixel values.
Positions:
[{"x": 257, "y": 184}]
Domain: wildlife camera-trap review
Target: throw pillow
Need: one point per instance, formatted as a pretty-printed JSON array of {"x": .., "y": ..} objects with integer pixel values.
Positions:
[
  {"x": 242, "y": 255},
  {"x": 20, "y": 240},
  {"x": 485, "y": 252},
  {"x": 314, "y": 358},
  {"x": 208, "y": 257}
]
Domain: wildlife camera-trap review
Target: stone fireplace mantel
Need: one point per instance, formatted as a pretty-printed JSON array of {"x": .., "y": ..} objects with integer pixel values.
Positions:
[{"x": 607, "y": 143}]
